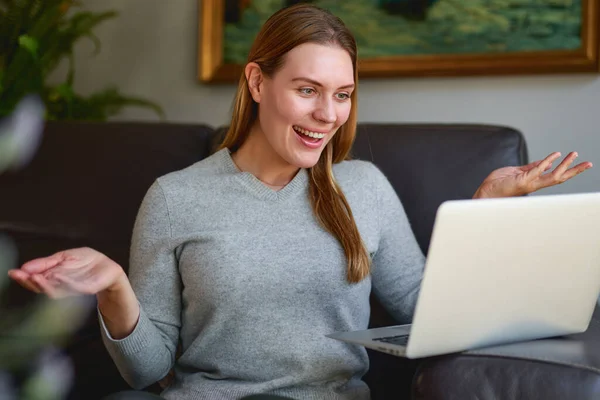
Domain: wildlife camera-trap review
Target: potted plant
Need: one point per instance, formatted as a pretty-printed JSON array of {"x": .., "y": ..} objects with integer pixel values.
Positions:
[{"x": 35, "y": 37}]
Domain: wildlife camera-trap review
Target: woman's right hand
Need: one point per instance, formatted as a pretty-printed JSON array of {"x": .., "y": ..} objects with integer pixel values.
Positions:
[
  {"x": 81, "y": 271},
  {"x": 85, "y": 271}
]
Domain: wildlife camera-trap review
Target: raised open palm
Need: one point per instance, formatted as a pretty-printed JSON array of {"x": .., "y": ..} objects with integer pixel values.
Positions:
[
  {"x": 518, "y": 181},
  {"x": 70, "y": 272}
]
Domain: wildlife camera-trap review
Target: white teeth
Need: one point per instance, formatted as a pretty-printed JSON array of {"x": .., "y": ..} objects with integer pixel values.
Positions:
[{"x": 309, "y": 133}]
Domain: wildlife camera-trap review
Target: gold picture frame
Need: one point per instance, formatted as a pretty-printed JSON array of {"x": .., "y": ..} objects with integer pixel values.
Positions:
[{"x": 586, "y": 59}]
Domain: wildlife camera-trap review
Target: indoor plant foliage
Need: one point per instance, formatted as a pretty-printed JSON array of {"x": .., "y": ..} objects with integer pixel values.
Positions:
[{"x": 35, "y": 37}]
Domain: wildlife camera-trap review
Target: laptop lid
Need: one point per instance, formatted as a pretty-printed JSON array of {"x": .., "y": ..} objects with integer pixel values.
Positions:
[{"x": 502, "y": 270}]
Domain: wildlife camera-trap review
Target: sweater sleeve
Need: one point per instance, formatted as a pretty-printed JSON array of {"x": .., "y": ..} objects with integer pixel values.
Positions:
[
  {"x": 397, "y": 266},
  {"x": 148, "y": 353}
]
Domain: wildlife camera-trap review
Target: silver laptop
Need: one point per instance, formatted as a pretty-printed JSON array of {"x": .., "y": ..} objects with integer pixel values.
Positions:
[{"x": 501, "y": 271}]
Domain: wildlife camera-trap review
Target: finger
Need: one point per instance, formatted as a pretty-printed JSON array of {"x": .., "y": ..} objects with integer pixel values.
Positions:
[
  {"x": 553, "y": 179},
  {"x": 22, "y": 279},
  {"x": 564, "y": 165},
  {"x": 30, "y": 285},
  {"x": 530, "y": 166},
  {"x": 46, "y": 287},
  {"x": 18, "y": 274},
  {"x": 40, "y": 265},
  {"x": 576, "y": 170},
  {"x": 544, "y": 165}
]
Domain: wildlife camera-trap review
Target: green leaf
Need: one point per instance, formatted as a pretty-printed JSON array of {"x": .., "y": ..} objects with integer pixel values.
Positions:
[
  {"x": 30, "y": 44},
  {"x": 65, "y": 90}
]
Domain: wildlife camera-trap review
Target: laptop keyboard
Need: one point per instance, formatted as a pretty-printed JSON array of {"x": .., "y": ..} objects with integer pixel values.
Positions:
[{"x": 400, "y": 340}]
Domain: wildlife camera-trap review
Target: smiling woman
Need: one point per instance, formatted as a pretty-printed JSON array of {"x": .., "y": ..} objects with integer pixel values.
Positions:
[
  {"x": 299, "y": 83},
  {"x": 242, "y": 263}
]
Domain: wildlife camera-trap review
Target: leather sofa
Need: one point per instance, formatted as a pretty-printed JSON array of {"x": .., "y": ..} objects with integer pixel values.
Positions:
[{"x": 86, "y": 182}]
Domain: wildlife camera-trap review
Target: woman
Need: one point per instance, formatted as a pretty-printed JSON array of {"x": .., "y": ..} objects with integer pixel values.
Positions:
[{"x": 249, "y": 257}]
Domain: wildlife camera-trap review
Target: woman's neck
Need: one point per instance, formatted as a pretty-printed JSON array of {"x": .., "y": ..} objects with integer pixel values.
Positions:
[{"x": 257, "y": 157}]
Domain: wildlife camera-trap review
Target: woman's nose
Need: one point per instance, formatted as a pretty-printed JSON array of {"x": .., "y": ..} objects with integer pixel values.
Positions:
[{"x": 325, "y": 112}]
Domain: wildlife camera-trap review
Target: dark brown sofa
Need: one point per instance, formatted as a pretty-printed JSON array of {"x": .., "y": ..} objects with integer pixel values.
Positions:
[{"x": 87, "y": 180}]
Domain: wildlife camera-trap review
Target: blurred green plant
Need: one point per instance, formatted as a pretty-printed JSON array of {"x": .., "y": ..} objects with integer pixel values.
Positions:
[
  {"x": 31, "y": 367},
  {"x": 35, "y": 37}
]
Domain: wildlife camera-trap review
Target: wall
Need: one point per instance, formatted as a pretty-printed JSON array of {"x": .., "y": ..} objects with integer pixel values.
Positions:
[{"x": 150, "y": 50}]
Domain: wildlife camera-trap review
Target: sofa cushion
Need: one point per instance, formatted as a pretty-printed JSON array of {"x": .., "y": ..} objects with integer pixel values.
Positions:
[
  {"x": 87, "y": 181},
  {"x": 548, "y": 369}
]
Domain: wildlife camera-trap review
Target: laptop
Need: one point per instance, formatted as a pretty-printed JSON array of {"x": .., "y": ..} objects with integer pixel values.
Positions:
[{"x": 501, "y": 271}]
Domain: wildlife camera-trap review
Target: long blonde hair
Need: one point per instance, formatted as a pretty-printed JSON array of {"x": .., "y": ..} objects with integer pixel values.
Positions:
[{"x": 283, "y": 31}]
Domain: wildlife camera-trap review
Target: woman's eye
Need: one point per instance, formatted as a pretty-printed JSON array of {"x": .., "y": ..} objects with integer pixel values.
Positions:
[
  {"x": 343, "y": 96},
  {"x": 307, "y": 91}
]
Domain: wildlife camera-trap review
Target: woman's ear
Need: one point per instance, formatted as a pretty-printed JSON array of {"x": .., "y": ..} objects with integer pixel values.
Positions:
[{"x": 254, "y": 77}]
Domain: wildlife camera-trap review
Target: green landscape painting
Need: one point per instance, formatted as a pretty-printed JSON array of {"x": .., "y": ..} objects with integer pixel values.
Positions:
[{"x": 423, "y": 27}]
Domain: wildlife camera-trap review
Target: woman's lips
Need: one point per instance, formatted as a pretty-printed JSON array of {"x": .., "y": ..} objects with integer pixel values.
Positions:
[{"x": 310, "y": 142}]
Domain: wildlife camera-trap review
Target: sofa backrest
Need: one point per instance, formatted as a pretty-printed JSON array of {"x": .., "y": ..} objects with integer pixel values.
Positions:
[
  {"x": 431, "y": 163},
  {"x": 86, "y": 182}
]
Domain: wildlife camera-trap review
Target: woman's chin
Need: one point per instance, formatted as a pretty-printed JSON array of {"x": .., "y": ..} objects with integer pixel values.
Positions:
[{"x": 306, "y": 160}]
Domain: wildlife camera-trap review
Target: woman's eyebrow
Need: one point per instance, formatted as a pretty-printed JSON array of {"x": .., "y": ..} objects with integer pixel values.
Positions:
[{"x": 316, "y": 83}]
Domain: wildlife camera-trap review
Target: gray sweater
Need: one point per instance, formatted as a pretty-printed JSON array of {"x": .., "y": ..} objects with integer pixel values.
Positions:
[{"x": 248, "y": 283}]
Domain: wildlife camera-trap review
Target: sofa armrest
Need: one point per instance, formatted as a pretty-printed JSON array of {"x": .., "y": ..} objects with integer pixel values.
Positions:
[{"x": 556, "y": 368}]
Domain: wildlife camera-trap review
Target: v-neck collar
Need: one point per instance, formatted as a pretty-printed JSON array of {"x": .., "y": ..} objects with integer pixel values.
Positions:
[{"x": 298, "y": 183}]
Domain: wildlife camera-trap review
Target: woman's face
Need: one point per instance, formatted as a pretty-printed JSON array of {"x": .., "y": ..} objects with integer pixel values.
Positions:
[{"x": 302, "y": 106}]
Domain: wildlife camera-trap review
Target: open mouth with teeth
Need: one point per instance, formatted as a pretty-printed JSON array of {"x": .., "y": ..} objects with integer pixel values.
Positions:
[{"x": 309, "y": 136}]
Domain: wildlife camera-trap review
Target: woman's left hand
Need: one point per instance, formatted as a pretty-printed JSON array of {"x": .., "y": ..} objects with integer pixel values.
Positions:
[{"x": 518, "y": 181}]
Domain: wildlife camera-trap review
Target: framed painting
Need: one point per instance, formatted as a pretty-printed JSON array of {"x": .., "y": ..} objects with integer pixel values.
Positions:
[{"x": 423, "y": 37}]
